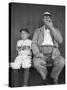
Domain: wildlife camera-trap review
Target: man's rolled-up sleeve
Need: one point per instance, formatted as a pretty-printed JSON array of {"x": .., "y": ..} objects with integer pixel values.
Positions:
[{"x": 57, "y": 36}]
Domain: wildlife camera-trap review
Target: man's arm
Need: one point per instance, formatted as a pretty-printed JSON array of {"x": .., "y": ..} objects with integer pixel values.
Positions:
[
  {"x": 34, "y": 46},
  {"x": 57, "y": 35},
  {"x": 55, "y": 32}
]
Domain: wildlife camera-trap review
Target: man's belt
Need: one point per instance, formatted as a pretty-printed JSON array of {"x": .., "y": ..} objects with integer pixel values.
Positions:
[{"x": 46, "y": 49}]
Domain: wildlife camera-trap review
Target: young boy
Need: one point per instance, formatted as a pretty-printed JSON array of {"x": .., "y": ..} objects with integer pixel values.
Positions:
[{"x": 24, "y": 54}]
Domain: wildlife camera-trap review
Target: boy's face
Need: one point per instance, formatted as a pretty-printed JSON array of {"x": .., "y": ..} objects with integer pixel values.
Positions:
[{"x": 24, "y": 35}]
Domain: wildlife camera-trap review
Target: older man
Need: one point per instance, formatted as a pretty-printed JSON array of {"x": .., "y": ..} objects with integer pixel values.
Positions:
[{"x": 45, "y": 48}]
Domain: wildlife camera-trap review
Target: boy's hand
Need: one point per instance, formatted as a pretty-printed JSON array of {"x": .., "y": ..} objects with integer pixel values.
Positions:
[
  {"x": 19, "y": 49},
  {"x": 11, "y": 64}
]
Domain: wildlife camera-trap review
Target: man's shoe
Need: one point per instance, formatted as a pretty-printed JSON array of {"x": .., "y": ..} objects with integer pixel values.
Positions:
[{"x": 55, "y": 81}]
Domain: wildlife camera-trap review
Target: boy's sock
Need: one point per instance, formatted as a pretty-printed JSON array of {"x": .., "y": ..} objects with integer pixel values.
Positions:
[{"x": 26, "y": 76}]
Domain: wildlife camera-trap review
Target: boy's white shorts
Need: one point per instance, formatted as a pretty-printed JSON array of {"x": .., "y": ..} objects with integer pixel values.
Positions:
[{"x": 21, "y": 61}]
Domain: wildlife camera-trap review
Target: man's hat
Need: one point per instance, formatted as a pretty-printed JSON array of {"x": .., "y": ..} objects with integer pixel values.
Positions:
[{"x": 47, "y": 14}]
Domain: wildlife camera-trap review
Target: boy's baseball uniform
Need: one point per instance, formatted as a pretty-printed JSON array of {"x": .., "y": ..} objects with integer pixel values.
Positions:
[{"x": 24, "y": 54}]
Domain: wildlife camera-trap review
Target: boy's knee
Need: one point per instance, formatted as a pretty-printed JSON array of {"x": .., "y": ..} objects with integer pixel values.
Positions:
[{"x": 15, "y": 66}]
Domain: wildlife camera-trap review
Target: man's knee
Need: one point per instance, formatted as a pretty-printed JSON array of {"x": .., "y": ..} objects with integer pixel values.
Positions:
[
  {"x": 39, "y": 63},
  {"x": 60, "y": 61},
  {"x": 35, "y": 62},
  {"x": 40, "y": 67}
]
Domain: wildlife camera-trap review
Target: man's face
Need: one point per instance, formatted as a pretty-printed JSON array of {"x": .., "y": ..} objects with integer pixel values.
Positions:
[
  {"x": 24, "y": 35},
  {"x": 46, "y": 19}
]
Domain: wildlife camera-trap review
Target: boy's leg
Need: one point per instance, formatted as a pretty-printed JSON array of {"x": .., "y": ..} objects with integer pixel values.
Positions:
[
  {"x": 16, "y": 77},
  {"x": 26, "y": 76},
  {"x": 58, "y": 66},
  {"x": 16, "y": 66}
]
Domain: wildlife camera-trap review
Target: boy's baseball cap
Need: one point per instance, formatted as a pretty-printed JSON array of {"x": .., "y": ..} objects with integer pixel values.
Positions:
[
  {"x": 24, "y": 29},
  {"x": 47, "y": 14}
]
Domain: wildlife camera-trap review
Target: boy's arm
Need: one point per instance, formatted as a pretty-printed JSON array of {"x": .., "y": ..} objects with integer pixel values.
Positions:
[{"x": 18, "y": 46}]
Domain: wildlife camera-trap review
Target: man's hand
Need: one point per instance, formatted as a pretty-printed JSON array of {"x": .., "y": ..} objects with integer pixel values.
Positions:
[
  {"x": 40, "y": 55},
  {"x": 49, "y": 25}
]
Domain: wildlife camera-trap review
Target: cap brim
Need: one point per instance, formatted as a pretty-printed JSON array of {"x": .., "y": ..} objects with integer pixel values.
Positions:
[{"x": 47, "y": 15}]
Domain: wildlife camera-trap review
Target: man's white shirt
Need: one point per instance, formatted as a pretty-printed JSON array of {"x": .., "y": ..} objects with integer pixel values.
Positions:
[{"x": 47, "y": 38}]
